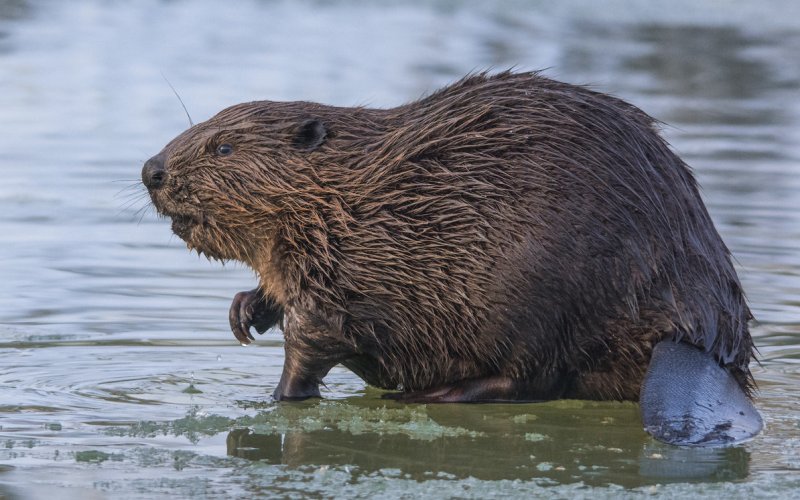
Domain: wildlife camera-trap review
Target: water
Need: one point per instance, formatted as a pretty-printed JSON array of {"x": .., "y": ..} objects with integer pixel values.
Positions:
[{"x": 118, "y": 375}]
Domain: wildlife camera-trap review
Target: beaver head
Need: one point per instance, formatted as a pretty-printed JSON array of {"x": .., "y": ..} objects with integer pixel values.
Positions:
[{"x": 225, "y": 182}]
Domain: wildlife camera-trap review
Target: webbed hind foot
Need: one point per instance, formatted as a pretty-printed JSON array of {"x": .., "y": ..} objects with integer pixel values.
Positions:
[{"x": 479, "y": 390}]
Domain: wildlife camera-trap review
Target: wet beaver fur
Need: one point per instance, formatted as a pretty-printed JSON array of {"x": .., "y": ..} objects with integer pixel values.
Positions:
[{"x": 508, "y": 237}]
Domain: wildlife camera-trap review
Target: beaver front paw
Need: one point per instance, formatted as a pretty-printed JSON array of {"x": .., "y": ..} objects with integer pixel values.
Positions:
[{"x": 252, "y": 308}]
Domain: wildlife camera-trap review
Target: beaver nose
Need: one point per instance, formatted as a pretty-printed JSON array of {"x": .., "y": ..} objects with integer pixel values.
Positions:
[{"x": 154, "y": 172}]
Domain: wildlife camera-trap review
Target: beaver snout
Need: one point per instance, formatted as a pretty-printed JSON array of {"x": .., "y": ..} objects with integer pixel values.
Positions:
[{"x": 154, "y": 172}]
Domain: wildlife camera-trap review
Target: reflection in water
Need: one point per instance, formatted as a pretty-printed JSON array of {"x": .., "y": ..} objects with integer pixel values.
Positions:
[
  {"x": 498, "y": 442},
  {"x": 722, "y": 86},
  {"x": 12, "y": 10},
  {"x": 682, "y": 464},
  {"x": 701, "y": 61},
  {"x": 461, "y": 458}
]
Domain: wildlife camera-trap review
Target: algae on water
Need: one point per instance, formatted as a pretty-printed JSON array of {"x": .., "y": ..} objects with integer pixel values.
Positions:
[{"x": 412, "y": 421}]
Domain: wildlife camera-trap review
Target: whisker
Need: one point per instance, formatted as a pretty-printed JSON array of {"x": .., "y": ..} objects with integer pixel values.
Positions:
[
  {"x": 191, "y": 123},
  {"x": 143, "y": 212},
  {"x": 127, "y": 206},
  {"x": 129, "y": 191},
  {"x": 133, "y": 199},
  {"x": 131, "y": 184}
]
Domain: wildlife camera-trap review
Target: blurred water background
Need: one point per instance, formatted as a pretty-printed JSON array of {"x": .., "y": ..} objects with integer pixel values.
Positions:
[{"x": 119, "y": 377}]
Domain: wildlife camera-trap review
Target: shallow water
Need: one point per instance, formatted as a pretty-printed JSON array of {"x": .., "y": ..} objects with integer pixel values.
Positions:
[{"x": 118, "y": 375}]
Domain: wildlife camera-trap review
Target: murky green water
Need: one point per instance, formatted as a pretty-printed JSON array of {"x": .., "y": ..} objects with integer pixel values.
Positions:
[{"x": 118, "y": 375}]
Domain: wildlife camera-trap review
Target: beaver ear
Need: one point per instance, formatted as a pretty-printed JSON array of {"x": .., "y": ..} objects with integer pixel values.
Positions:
[{"x": 310, "y": 135}]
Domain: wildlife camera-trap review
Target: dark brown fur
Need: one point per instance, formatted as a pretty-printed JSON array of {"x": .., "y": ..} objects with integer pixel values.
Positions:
[{"x": 508, "y": 228}]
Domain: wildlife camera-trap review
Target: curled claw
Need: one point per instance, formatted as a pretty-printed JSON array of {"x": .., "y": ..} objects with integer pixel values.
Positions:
[
  {"x": 240, "y": 315},
  {"x": 252, "y": 308}
]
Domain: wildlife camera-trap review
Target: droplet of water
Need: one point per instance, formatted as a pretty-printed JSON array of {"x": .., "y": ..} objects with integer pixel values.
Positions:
[{"x": 192, "y": 390}]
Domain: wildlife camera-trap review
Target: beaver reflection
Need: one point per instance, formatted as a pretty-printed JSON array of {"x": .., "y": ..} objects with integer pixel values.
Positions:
[{"x": 500, "y": 450}]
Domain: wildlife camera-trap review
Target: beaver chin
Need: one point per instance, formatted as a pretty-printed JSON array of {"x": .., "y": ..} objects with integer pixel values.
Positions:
[
  {"x": 183, "y": 225},
  {"x": 185, "y": 218},
  {"x": 200, "y": 237},
  {"x": 189, "y": 226}
]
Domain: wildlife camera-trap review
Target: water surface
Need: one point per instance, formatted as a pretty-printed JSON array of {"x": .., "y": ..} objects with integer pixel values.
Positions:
[{"x": 118, "y": 375}]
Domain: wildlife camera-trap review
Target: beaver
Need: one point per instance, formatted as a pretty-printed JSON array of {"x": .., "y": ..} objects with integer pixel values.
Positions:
[{"x": 506, "y": 238}]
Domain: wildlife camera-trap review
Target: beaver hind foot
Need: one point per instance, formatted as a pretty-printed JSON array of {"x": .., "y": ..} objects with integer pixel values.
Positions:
[
  {"x": 687, "y": 399},
  {"x": 489, "y": 389}
]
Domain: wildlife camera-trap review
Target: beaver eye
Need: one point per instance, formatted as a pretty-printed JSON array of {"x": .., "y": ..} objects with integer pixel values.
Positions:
[{"x": 224, "y": 149}]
